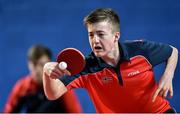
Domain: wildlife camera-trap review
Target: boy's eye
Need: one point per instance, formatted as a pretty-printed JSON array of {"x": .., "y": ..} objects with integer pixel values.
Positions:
[
  {"x": 90, "y": 34},
  {"x": 101, "y": 35}
]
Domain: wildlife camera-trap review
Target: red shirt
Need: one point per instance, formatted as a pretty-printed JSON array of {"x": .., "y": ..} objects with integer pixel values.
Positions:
[
  {"x": 129, "y": 87},
  {"x": 29, "y": 95}
]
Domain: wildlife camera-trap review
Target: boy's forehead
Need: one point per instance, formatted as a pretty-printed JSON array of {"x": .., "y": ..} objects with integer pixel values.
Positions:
[
  {"x": 99, "y": 26},
  {"x": 43, "y": 59}
]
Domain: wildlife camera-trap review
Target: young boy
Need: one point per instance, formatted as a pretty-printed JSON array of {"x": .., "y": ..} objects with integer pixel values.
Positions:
[{"x": 118, "y": 76}]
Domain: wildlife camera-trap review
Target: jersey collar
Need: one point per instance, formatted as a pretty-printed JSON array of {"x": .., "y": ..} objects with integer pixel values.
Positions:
[{"x": 123, "y": 53}]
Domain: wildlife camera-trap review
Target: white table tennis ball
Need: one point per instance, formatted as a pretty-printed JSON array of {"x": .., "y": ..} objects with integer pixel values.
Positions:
[{"x": 62, "y": 65}]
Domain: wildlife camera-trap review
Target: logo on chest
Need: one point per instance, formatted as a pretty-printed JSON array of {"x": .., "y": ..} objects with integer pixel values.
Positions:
[
  {"x": 106, "y": 79},
  {"x": 133, "y": 73}
]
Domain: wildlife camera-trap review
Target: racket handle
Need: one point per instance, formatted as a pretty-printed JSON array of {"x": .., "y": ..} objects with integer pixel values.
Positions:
[{"x": 62, "y": 65}]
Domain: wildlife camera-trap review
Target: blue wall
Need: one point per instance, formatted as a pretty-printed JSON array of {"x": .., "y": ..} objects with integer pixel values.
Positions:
[{"x": 58, "y": 24}]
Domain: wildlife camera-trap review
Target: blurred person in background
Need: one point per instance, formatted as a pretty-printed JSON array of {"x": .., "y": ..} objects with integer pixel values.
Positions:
[{"x": 28, "y": 95}]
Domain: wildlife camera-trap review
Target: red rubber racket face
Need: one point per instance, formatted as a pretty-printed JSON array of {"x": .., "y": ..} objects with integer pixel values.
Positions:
[{"x": 74, "y": 58}]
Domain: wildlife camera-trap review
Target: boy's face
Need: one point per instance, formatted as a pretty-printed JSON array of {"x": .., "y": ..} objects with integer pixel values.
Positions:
[
  {"x": 37, "y": 69},
  {"x": 101, "y": 38}
]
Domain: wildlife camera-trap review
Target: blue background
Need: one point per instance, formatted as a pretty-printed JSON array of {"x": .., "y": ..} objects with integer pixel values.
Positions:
[{"x": 58, "y": 24}]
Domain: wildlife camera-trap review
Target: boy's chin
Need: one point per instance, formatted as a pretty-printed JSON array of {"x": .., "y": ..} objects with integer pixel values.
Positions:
[{"x": 99, "y": 54}]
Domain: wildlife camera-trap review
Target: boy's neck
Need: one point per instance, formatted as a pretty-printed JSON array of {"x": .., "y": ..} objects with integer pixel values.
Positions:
[{"x": 113, "y": 57}]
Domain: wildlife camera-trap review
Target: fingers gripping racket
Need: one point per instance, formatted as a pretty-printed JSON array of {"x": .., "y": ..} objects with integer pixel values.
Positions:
[{"x": 72, "y": 60}]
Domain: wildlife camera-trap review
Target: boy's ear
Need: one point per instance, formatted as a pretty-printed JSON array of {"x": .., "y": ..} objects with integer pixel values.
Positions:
[
  {"x": 117, "y": 36},
  {"x": 30, "y": 66}
]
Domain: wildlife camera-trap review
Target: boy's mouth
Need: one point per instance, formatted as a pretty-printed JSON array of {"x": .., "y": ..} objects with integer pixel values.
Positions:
[{"x": 97, "y": 47}]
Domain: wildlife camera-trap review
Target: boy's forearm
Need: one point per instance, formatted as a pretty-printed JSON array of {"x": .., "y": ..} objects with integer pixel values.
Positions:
[
  {"x": 171, "y": 63},
  {"x": 53, "y": 88}
]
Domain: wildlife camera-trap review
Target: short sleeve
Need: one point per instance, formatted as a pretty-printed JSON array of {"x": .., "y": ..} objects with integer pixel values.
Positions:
[
  {"x": 76, "y": 81},
  {"x": 156, "y": 52}
]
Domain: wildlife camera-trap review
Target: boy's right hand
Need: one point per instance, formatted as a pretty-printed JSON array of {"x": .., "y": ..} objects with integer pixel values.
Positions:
[{"x": 52, "y": 70}]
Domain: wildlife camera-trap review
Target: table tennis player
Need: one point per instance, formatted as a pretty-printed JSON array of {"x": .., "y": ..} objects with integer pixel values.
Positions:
[
  {"x": 118, "y": 76},
  {"x": 28, "y": 95}
]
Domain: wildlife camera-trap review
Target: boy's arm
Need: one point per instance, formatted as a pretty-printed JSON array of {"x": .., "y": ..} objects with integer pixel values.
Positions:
[
  {"x": 165, "y": 84},
  {"x": 14, "y": 102},
  {"x": 53, "y": 87}
]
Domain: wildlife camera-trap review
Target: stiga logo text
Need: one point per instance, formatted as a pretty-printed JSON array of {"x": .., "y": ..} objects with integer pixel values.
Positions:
[{"x": 133, "y": 73}]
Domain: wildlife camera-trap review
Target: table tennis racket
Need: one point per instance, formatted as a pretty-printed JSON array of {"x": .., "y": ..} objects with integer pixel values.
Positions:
[{"x": 71, "y": 58}]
